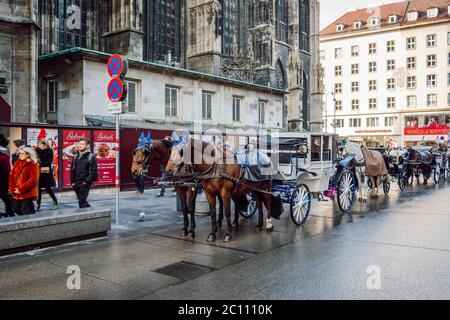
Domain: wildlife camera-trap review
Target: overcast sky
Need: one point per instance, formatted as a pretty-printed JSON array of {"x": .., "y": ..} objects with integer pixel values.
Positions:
[{"x": 330, "y": 10}]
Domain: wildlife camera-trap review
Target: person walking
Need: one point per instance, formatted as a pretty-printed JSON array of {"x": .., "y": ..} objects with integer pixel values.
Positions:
[
  {"x": 24, "y": 181},
  {"x": 17, "y": 144},
  {"x": 5, "y": 170},
  {"x": 46, "y": 178},
  {"x": 83, "y": 172}
]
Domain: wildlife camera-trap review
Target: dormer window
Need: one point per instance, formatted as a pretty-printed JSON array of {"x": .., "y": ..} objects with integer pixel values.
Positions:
[
  {"x": 412, "y": 15},
  {"x": 432, "y": 12},
  {"x": 357, "y": 25},
  {"x": 393, "y": 19},
  {"x": 339, "y": 27},
  {"x": 374, "y": 22}
]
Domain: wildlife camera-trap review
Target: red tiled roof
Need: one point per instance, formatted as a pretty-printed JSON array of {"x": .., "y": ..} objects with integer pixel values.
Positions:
[{"x": 384, "y": 11}]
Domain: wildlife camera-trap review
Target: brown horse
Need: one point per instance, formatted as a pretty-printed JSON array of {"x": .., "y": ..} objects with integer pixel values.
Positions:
[
  {"x": 221, "y": 179},
  {"x": 419, "y": 161},
  {"x": 159, "y": 151}
]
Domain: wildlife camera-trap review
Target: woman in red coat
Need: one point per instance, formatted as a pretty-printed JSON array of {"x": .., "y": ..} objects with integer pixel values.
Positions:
[{"x": 24, "y": 182}]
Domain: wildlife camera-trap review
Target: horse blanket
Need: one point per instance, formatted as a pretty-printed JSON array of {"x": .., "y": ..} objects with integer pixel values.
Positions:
[{"x": 375, "y": 165}]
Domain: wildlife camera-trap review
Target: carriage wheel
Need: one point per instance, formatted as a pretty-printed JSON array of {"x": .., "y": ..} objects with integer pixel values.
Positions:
[
  {"x": 437, "y": 173},
  {"x": 445, "y": 173},
  {"x": 386, "y": 186},
  {"x": 346, "y": 191},
  {"x": 251, "y": 208},
  {"x": 300, "y": 204},
  {"x": 402, "y": 179}
]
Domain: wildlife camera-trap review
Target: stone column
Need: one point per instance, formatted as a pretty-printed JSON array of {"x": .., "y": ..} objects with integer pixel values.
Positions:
[{"x": 317, "y": 87}]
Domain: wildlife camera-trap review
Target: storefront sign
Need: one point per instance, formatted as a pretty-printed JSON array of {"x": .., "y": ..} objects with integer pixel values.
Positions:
[
  {"x": 70, "y": 139},
  {"x": 427, "y": 131},
  {"x": 104, "y": 150},
  {"x": 372, "y": 131},
  {"x": 51, "y": 135}
]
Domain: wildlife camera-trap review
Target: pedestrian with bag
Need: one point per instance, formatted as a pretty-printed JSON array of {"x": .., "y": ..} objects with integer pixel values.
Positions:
[
  {"x": 83, "y": 172},
  {"x": 46, "y": 178},
  {"x": 24, "y": 181},
  {"x": 5, "y": 170}
]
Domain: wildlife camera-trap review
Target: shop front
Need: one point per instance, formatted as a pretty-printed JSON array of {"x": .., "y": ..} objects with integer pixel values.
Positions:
[
  {"x": 426, "y": 129},
  {"x": 375, "y": 138}
]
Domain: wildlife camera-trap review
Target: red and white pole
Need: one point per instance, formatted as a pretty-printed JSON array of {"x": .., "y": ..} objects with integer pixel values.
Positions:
[{"x": 117, "y": 180}]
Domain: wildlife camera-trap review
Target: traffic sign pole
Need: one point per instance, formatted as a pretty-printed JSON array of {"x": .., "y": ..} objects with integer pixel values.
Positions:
[{"x": 117, "y": 92}]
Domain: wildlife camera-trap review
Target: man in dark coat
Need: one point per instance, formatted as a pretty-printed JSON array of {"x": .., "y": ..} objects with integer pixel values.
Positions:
[
  {"x": 83, "y": 172},
  {"x": 5, "y": 170}
]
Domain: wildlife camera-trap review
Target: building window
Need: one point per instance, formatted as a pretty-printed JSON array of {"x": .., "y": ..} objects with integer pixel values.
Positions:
[
  {"x": 357, "y": 25},
  {"x": 411, "y": 82},
  {"x": 322, "y": 55},
  {"x": 355, "y": 105},
  {"x": 237, "y": 109},
  {"x": 411, "y": 43},
  {"x": 448, "y": 38},
  {"x": 171, "y": 102},
  {"x": 339, "y": 27},
  {"x": 339, "y": 123},
  {"x": 374, "y": 22},
  {"x": 207, "y": 106},
  {"x": 372, "y": 85},
  {"x": 432, "y": 12},
  {"x": 372, "y": 122},
  {"x": 355, "y": 51},
  {"x": 389, "y": 121},
  {"x": 431, "y": 80},
  {"x": 355, "y": 86},
  {"x": 338, "y": 53},
  {"x": 448, "y": 58},
  {"x": 448, "y": 99},
  {"x": 372, "y": 103},
  {"x": 431, "y": 100},
  {"x": 52, "y": 96},
  {"x": 372, "y": 66},
  {"x": 355, "y": 123},
  {"x": 390, "y": 83},
  {"x": 448, "y": 79},
  {"x": 372, "y": 48},
  {"x": 338, "y": 71},
  {"x": 411, "y": 62},
  {"x": 261, "y": 112},
  {"x": 338, "y": 88},
  {"x": 391, "y": 102},
  {"x": 431, "y": 40},
  {"x": 390, "y": 46},
  {"x": 431, "y": 61},
  {"x": 412, "y": 16},
  {"x": 393, "y": 19},
  {"x": 132, "y": 96},
  {"x": 390, "y": 65},
  {"x": 411, "y": 101},
  {"x": 355, "y": 68},
  {"x": 338, "y": 105}
]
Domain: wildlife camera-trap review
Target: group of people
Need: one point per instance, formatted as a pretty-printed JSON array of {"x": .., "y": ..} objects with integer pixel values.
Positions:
[{"x": 27, "y": 172}]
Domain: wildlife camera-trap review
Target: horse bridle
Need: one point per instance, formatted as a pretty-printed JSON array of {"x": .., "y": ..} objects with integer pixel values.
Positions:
[{"x": 148, "y": 149}]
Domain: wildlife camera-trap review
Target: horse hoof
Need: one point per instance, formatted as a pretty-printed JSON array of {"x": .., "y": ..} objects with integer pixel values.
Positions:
[
  {"x": 228, "y": 238},
  {"x": 191, "y": 236},
  {"x": 183, "y": 234},
  {"x": 258, "y": 229},
  {"x": 211, "y": 238},
  {"x": 270, "y": 230}
]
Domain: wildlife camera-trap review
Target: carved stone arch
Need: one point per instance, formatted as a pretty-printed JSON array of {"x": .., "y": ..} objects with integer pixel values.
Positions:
[{"x": 280, "y": 75}]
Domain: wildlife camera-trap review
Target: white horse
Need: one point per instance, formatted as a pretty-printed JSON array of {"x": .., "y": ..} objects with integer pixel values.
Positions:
[{"x": 361, "y": 174}]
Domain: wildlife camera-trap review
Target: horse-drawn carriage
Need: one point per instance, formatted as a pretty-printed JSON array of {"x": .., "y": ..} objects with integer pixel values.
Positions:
[{"x": 306, "y": 168}]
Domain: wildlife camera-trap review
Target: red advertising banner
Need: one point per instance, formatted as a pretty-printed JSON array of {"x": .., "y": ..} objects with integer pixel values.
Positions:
[
  {"x": 435, "y": 131},
  {"x": 104, "y": 142},
  {"x": 70, "y": 139}
]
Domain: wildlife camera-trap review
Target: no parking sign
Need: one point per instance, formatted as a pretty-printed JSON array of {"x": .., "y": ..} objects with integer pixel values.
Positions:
[
  {"x": 117, "y": 66},
  {"x": 117, "y": 90}
]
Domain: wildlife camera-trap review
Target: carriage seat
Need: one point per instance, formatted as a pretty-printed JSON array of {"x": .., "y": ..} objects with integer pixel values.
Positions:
[
  {"x": 256, "y": 165},
  {"x": 253, "y": 158}
]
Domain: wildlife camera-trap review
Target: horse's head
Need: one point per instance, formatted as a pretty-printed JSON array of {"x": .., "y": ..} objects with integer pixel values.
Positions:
[
  {"x": 176, "y": 160},
  {"x": 142, "y": 157}
]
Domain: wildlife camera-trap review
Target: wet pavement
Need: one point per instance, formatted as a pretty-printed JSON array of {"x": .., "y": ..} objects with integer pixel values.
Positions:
[{"x": 405, "y": 236}]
